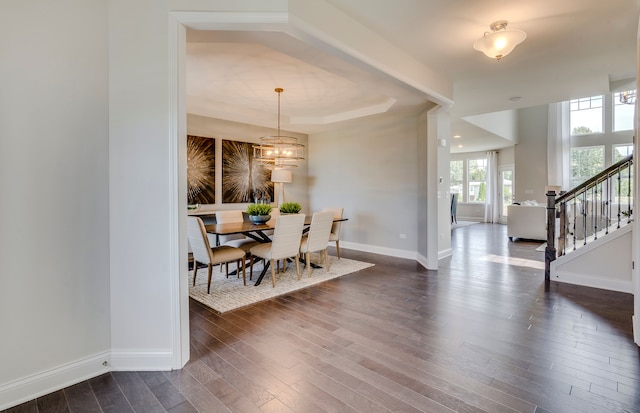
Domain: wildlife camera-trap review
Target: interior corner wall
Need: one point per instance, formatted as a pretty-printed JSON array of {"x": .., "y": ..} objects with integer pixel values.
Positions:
[
  {"x": 142, "y": 156},
  {"x": 54, "y": 214},
  {"x": 368, "y": 166},
  {"x": 295, "y": 191},
  {"x": 530, "y": 154},
  {"x": 443, "y": 181}
]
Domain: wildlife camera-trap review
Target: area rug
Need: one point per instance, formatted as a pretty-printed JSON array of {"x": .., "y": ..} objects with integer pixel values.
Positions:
[
  {"x": 461, "y": 224},
  {"x": 229, "y": 293}
]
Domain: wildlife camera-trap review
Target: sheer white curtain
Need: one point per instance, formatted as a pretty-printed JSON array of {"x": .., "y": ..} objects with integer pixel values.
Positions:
[
  {"x": 559, "y": 146},
  {"x": 492, "y": 203}
]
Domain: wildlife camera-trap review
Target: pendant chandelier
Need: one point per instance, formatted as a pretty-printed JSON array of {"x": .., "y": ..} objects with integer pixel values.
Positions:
[
  {"x": 278, "y": 152},
  {"x": 628, "y": 97}
]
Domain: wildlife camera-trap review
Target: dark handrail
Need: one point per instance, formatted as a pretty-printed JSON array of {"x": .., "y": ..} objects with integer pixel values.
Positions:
[
  {"x": 556, "y": 207},
  {"x": 594, "y": 179}
]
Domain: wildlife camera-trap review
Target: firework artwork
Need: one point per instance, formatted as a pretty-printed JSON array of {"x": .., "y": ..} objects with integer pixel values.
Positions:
[
  {"x": 243, "y": 179},
  {"x": 201, "y": 182}
]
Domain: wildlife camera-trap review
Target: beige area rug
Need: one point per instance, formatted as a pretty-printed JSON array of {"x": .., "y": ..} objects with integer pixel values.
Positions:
[
  {"x": 461, "y": 224},
  {"x": 229, "y": 293}
]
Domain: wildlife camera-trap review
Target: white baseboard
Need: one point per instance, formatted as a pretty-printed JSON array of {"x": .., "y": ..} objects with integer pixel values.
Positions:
[
  {"x": 48, "y": 381},
  {"x": 392, "y": 252},
  {"x": 160, "y": 360},
  {"x": 445, "y": 253},
  {"x": 595, "y": 282}
]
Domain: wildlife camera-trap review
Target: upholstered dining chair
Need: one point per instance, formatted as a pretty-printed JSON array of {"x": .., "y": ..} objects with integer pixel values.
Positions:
[
  {"x": 317, "y": 239},
  {"x": 335, "y": 228},
  {"x": 236, "y": 240},
  {"x": 454, "y": 208},
  {"x": 285, "y": 244},
  {"x": 205, "y": 254}
]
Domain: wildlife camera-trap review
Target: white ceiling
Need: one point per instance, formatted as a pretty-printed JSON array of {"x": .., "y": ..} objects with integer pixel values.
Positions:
[{"x": 573, "y": 48}]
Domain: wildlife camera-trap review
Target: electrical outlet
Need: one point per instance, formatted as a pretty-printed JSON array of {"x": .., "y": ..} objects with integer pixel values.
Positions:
[{"x": 403, "y": 236}]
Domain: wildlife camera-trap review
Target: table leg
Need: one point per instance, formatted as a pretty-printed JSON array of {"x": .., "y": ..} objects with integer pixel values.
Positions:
[{"x": 267, "y": 263}]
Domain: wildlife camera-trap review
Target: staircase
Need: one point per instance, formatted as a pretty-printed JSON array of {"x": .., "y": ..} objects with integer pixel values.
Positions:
[{"x": 592, "y": 226}]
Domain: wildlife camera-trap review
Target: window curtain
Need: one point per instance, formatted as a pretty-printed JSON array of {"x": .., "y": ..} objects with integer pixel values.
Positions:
[
  {"x": 559, "y": 146},
  {"x": 492, "y": 202}
]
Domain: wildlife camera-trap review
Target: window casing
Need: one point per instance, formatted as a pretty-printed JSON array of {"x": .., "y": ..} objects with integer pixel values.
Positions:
[
  {"x": 586, "y": 162},
  {"x": 456, "y": 168},
  {"x": 621, "y": 151},
  {"x": 622, "y": 114},
  {"x": 586, "y": 115},
  {"x": 616, "y": 143},
  {"x": 477, "y": 180}
]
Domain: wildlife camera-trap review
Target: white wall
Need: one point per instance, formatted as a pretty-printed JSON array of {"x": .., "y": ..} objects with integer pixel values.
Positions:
[
  {"x": 369, "y": 168},
  {"x": 142, "y": 188},
  {"x": 440, "y": 180},
  {"x": 54, "y": 208},
  {"x": 531, "y": 154},
  {"x": 603, "y": 263},
  {"x": 296, "y": 191}
]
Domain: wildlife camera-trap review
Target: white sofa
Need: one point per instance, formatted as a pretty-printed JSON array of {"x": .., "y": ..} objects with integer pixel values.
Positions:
[{"x": 527, "y": 222}]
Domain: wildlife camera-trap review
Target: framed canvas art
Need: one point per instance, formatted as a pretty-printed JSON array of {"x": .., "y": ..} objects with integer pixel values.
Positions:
[
  {"x": 243, "y": 179},
  {"x": 201, "y": 177}
]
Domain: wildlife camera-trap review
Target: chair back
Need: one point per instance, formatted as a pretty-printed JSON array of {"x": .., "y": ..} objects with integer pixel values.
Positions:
[
  {"x": 454, "y": 204},
  {"x": 229, "y": 217},
  {"x": 320, "y": 230},
  {"x": 286, "y": 236},
  {"x": 335, "y": 228},
  {"x": 197, "y": 235},
  {"x": 275, "y": 213}
]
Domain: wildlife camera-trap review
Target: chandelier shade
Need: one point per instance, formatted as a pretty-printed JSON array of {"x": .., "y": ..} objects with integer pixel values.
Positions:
[
  {"x": 500, "y": 41},
  {"x": 278, "y": 152}
]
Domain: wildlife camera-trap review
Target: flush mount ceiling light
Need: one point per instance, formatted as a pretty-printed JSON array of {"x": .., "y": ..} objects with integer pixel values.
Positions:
[
  {"x": 500, "y": 41},
  {"x": 278, "y": 152}
]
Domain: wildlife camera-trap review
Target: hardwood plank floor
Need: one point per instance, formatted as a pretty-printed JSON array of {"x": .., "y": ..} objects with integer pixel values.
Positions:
[{"x": 481, "y": 334}]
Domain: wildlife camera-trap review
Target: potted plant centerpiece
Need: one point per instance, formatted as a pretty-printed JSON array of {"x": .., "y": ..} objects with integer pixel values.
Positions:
[
  {"x": 290, "y": 208},
  {"x": 259, "y": 213}
]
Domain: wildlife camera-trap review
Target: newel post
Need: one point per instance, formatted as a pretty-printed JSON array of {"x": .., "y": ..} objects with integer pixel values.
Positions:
[{"x": 550, "y": 251}]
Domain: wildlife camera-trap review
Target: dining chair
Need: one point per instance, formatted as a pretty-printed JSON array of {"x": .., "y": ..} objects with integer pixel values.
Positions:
[
  {"x": 285, "y": 244},
  {"x": 275, "y": 213},
  {"x": 204, "y": 253},
  {"x": 454, "y": 208},
  {"x": 335, "y": 228},
  {"x": 317, "y": 239},
  {"x": 235, "y": 240}
]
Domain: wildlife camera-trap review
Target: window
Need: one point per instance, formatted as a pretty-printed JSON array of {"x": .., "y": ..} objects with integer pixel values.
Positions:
[
  {"x": 621, "y": 151},
  {"x": 586, "y": 162},
  {"x": 456, "y": 178},
  {"x": 477, "y": 183},
  {"x": 586, "y": 115},
  {"x": 622, "y": 114}
]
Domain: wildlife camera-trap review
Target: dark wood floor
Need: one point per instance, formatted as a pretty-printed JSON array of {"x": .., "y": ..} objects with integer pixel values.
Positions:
[{"x": 482, "y": 334}]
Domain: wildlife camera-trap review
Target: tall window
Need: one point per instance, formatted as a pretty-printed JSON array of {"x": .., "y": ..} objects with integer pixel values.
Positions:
[
  {"x": 456, "y": 179},
  {"x": 586, "y": 115},
  {"x": 477, "y": 180},
  {"x": 586, "y": 162},
  {"x": 621, "y": 151},
  {"x": 622, "y": 114}
]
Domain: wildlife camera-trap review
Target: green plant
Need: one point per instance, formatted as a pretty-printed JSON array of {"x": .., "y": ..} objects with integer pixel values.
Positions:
[
  {"x": 290, "y": 208},
  {"x": 259, "y": 209}
]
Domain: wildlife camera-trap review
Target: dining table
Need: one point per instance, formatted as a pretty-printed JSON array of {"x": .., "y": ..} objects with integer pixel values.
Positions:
[{"x": 256, "y": 232}]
